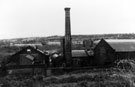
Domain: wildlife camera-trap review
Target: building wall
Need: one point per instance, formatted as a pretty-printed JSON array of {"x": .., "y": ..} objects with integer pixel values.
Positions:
[
  {"x": 29, "y": 56},
  {"x": 38, "y": 57},
  {"x": 104, "y": 54},
  {"x": 125, "y": 55},
  {"x": 82, "y": 61}
]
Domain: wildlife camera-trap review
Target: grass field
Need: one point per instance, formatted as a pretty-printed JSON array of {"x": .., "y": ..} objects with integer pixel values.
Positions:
[{"x": 88, "y": 78}]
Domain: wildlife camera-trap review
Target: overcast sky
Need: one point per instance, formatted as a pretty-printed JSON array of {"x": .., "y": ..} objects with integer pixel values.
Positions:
[{"x": 29, "y": 18}]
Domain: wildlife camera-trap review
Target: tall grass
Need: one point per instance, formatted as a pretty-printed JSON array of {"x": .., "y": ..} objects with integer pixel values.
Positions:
[
  {"x": 104, "y": 78},
  {"x": 111, "y": 77}
]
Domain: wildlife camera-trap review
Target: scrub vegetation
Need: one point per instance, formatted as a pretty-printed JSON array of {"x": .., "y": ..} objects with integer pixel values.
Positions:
[{"x": 111, "y": 77}]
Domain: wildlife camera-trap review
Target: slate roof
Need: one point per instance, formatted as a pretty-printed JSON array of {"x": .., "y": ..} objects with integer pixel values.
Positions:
[
  {"x": 121, "y": 45},
  {"x": 30, "y": 47},
  {"x": 79, "y": 53},
  {"x": 24, "y": 50}
]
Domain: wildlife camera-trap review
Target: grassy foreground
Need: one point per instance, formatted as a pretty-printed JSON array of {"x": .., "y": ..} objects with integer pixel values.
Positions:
[{"x": 88, "y": 78}]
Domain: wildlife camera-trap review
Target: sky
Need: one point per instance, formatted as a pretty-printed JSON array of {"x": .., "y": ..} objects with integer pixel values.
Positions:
[{"x": 39, "y": 18}]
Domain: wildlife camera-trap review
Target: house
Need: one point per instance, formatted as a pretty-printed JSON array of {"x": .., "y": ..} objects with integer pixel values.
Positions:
[
  {"x": 28, "y": 56},
  {"x": 109, "y": 50}
]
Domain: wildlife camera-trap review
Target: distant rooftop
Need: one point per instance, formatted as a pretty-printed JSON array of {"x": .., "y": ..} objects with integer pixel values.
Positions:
[
  {"x": 117, "y": 40},
  {"x": 120, "y": 40},
  {"x": 122, "y": 45}
]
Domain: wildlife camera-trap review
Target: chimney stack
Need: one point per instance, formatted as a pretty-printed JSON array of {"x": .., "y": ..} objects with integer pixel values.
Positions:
[{"x": 68, "y": 54}]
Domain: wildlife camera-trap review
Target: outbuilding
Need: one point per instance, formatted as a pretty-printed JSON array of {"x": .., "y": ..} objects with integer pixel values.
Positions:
[
  {"x": 107, "y": 51},
  {"x": 82, "y": 58},
  {"x": 104, "y": 54},
  {"x": 28, "y": 56}
]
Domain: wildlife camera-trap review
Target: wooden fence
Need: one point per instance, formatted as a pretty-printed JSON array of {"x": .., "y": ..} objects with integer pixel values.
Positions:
[{"x": 54, "y": 69}]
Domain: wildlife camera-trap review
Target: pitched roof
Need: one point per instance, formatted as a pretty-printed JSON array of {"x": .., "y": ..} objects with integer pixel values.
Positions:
[
  {"x": 29, "y": 49},
  {"x": 122, "y": 45},
  {"x": 79, "y": 53}
]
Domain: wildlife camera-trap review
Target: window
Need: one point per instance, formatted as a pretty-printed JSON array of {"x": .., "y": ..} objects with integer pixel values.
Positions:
[{"x": 28, "y": 50}]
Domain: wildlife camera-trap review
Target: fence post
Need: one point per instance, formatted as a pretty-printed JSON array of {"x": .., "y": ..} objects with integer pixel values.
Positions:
[
  {"x": 45, "y": 70},
  {"x": 33, "y": 71}
]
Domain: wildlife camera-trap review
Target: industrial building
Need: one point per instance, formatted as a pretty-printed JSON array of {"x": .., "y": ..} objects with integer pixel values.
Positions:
[
  {"x": 27, "y": 57},
  {"x": 124, "y": 48},
  {"x": 98, "y": 53}
]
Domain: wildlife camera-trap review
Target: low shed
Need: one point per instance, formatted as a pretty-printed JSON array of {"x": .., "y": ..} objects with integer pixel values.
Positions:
[{"x": 82, "y": 58}]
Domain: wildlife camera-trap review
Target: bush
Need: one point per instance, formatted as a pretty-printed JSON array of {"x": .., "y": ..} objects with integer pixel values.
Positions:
[
  {"x": 70, "y": 79},
  {"x": 82, "y": 84},
  {"x": 126, "y": 64}
]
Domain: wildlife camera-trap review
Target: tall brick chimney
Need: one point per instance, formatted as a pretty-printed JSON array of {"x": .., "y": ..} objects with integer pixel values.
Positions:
[{"x": 68, "y": 54}]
